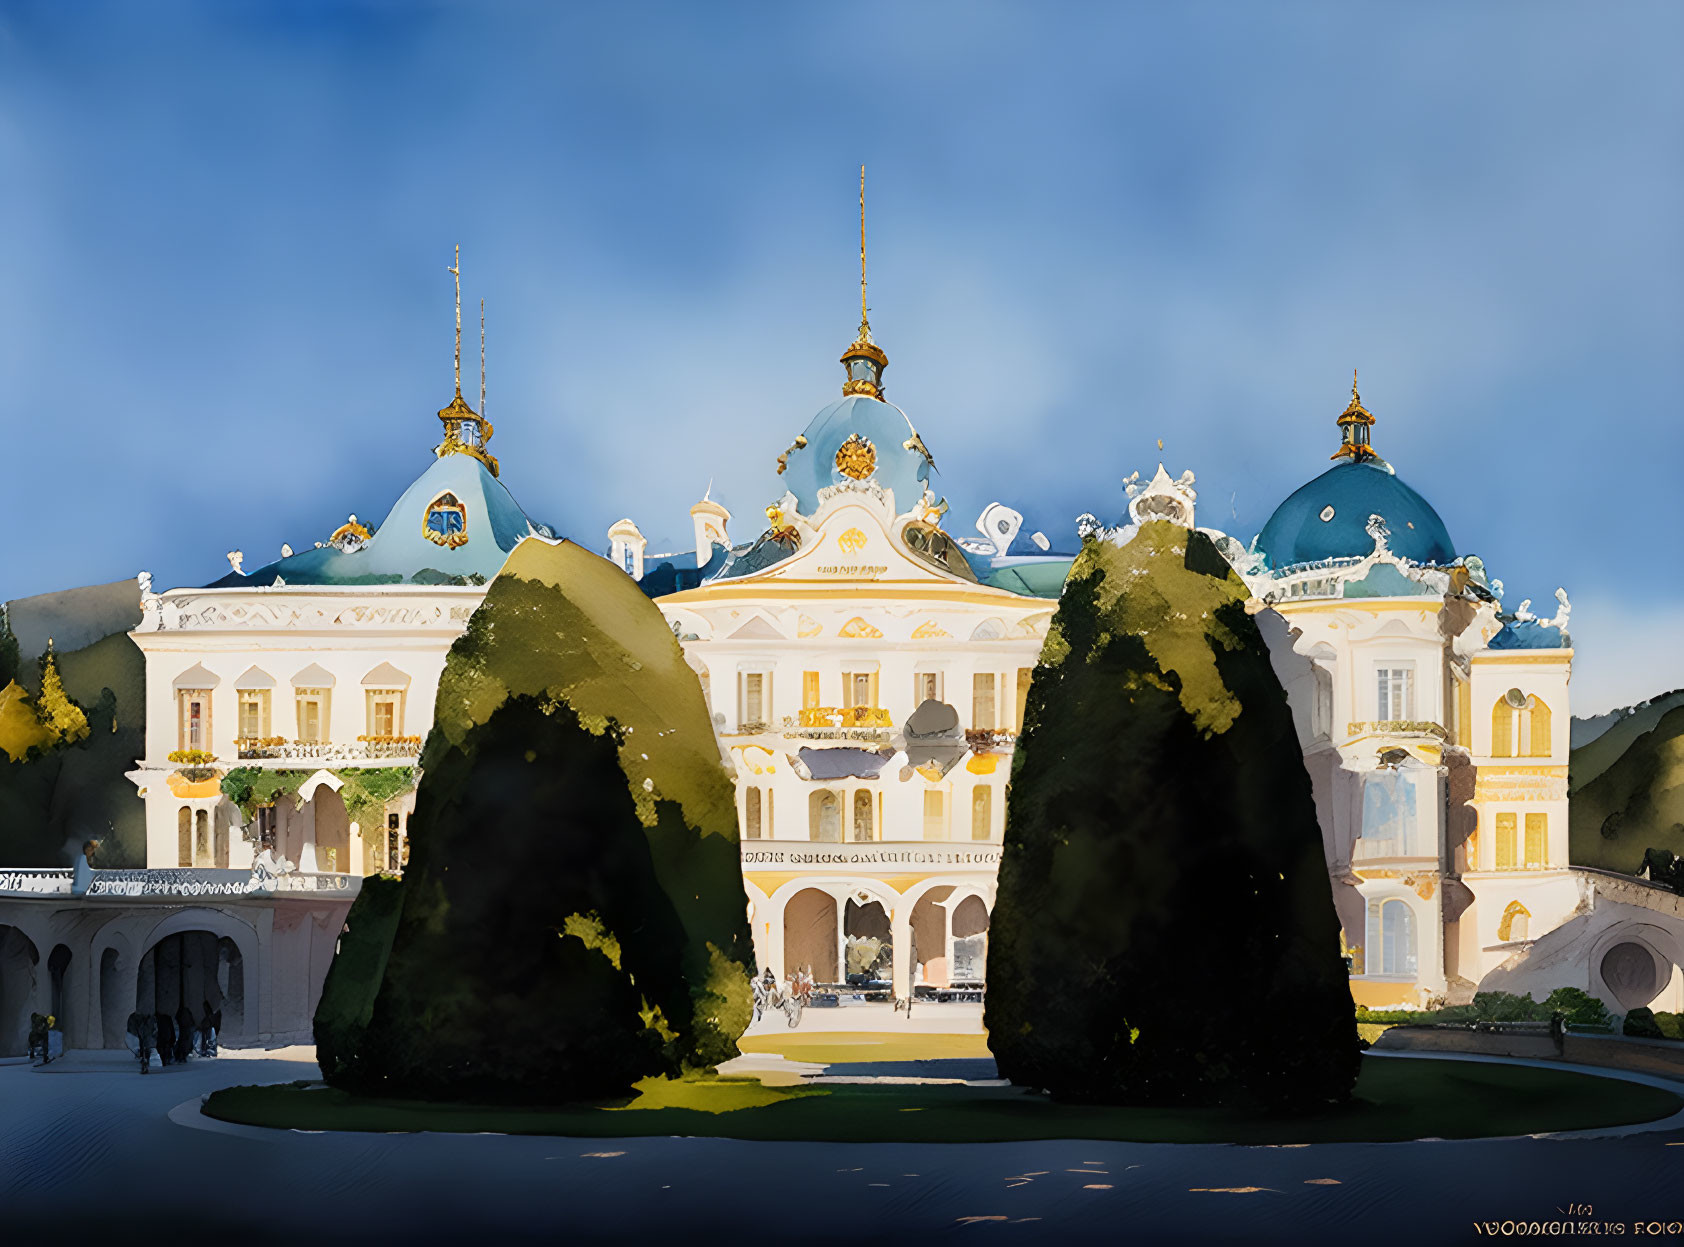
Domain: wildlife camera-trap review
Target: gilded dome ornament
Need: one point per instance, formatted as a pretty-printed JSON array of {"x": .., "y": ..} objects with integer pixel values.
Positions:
[
  {"x": 1355, "y": 422},
  {"x": 856, "y": 458},
  {"x": 466, "y": 431}
]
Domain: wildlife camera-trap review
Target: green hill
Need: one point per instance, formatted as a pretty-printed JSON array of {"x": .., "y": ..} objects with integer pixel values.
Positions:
[
  {"x": 1618, "y": 730},
  {"x": 1635, "y": 801}
]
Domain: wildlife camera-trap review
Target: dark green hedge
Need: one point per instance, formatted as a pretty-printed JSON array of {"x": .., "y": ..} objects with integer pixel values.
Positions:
[{"x": 1165, "y": 931}]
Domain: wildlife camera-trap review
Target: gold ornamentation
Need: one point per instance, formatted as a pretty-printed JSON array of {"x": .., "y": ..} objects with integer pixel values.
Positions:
[
  {"x": 446, "y": 504},
  {"x": 862, "y": 346},
  {"x": 1354, "y": 423},
  {"x": 797, "y": 444},
  {"x": 351, "y": 528},
  {"x": 929, "y": 630},
  {"x": 459, "y": 415},
  {"x": 851, "y": 541},
  {"x": 809, "y": 627},
  {"x": 857, "y": 627},
  {"x": 856, "y": 458},
  {"x": 844, "y": 716}
]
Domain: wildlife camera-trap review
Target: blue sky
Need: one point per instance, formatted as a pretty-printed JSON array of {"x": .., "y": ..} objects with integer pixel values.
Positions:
[{"x": 225, "y": 319}]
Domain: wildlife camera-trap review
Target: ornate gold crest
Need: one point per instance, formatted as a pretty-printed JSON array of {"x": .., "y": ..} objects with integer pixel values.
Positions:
[
  {"x": 856, "y": 458},
  {"x": 851, "y": 542}
]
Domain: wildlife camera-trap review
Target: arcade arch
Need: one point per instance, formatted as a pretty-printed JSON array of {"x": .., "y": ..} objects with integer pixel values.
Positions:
[{"x": 18, "y": 962}]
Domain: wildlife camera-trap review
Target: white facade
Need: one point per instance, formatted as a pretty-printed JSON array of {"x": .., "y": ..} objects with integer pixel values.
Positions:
[{"x": 312, "y": 678}]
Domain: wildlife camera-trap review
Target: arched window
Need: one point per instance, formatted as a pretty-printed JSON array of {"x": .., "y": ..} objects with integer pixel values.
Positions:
[
  {"x": 1502, "y": 727},
  {"x": 447, "y": 521},
  {"x": 863, "y": 830},
  {"x": 1538, "y": 737},
  {"x": 825, "y": 817},
  {"x": 184, "y": 837},
  {"x": 751, "y": 814},
  {"x": 1397, "y": 938},
  {"x": 982, "y": 812},
  {"x": 202, "y": 848},
  {"x": 1515, "y": 924}
]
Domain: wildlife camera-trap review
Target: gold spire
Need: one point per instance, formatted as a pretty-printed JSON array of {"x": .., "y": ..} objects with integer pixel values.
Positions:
[
  {"x": 865, "y": 317},
  {"x": 864, "y": 359},
  {"x": 456, "y": 272},
  {"x": 1354, "y": 425},
  {"x": 458, "y": 416}
]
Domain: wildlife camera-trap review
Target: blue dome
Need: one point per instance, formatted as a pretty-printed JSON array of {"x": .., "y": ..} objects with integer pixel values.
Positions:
[
  {"x": 487, "y": 525},
  {"x": 812, "y": 467},
  {"x": 1328, "y": 519}
]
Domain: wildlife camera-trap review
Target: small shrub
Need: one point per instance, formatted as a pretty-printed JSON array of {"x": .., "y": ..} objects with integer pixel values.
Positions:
[
  {"x": 1640, "y": 1024},
  {"x": 1671, "y": 1024},
  {"x": 1581, "y": 1008},
  {"x": 1507, "y": 1007}
]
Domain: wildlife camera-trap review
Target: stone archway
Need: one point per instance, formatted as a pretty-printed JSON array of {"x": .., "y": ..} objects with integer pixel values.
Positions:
[
  {"x": 868, "y": 941},
  {"x": 115, "y": 1000},
  {"x": 1633, "y": 973},
  {"x": 810, "y": 935},
  {"x": 58, "y": 999},
  {"x": 930, "y": 966},
  {"x": 197, "y": 970},
  {"x": 18, "y": 965},
  {"x": 969, "y": 920}
]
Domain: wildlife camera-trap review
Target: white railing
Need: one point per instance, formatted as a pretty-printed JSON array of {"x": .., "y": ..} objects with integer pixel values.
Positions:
[
  {"x": 404, "y": 750},
  {"x": 868, "y": 854},
  {"x": 35, "y": 882},
  {"x": 176, "y": 883}
]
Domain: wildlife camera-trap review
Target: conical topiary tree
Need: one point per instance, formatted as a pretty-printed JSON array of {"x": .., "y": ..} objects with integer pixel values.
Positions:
[
  {"x": 1165, "y": 931},
  {"x": 572, "y": 914}
]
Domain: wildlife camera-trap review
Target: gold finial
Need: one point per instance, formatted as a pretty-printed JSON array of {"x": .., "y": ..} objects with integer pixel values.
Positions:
[
  {"x": 864, "y": 359},
  {"x": 1354, "y": 425},
  {"x": 456, "y": 272},
  {"x": 458, "y": 416}
]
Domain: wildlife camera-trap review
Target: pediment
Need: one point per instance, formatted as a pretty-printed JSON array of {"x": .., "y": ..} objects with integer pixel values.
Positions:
[
  {"x": 851, "y": 547},
  {"x": 197, "y": 677},
  {"x": 255, "y": 678},
  {"x": 313, "y": 676},
  {"x": 385, "y": 676},
  {"x": 757, "y": 629}
]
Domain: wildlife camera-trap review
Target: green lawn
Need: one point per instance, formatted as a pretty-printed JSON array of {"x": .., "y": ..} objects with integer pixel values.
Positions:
[
  {"x": 848, "y": 1046},
  {"x": 1396, "y": 1100}
]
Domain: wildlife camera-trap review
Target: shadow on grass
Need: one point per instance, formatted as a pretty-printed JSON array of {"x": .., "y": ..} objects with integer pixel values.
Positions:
[{"x": 1396, "y": 1101}]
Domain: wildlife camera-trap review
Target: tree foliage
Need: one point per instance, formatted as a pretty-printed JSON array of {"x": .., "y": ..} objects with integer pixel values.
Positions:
[
  {"x": 572, "y": 912},
  {"x": 1165, "y": 931},
  {"x": 63, "y": 718}
]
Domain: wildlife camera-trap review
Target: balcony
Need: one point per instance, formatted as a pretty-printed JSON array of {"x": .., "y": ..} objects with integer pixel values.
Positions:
[
  {"x": 1415, "y": 728},
  {"x": 367, "y": 748},
  {"x": 174, "y": 884},
  {"x": 988, "y": 740},
  {"x": 851, "y": 856},
  {"x": 865, "y": 723}
]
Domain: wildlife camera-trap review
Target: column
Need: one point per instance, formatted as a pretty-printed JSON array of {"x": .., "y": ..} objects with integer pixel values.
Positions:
[
  {"x": 307, "y": 854},
  {"x": 900, "y": 932}
]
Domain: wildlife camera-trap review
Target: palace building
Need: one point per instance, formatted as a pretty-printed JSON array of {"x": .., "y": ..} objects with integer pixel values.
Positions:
[
  {"x": 867, "y": 671},
  {"x": 867, "y": 675}
]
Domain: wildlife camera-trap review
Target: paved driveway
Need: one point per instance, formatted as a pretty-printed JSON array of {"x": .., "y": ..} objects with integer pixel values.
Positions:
[{"x": 97, "y": 1150}]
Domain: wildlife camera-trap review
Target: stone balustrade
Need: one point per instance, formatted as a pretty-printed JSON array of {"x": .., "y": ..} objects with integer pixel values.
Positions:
[{"x": 176, "y": 883}]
